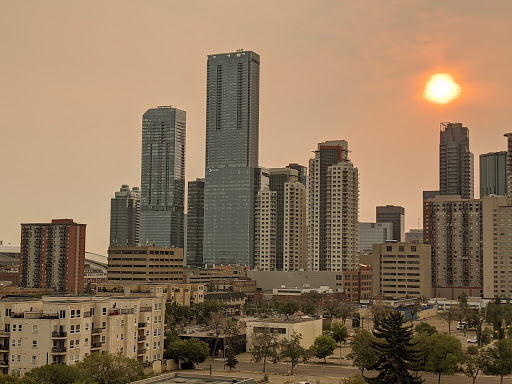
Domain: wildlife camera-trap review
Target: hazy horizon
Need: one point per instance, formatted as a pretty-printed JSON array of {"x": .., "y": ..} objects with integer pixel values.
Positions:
[{"x": 77, "y": 77}]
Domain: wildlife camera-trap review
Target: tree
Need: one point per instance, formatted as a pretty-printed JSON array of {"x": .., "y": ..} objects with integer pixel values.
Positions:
[
  {"x": 208, "y": 307},
  {"x": 498, "y": 359},
  {"x": 396, "y": 354},
  {"x": 495, "y": 314},
  {"x": 449, "y": 315},
  {"x": 414, "y": 310},
  {"x": 292, "y": 349},
  {"x": 231, "y": 360},
  {"x": 216, "y": 323},
  {"x": 379, "y": 311},
  {"x": 475, "y": 318},
  {"x": 358, "y": 379},
  {"x": 339, "y": 334},
  {"x": 442, "y": 353},
  {"x": 324, "y": 346},
  {"x": 425, "y": 329},
  {"x": 111, "y": 369},
  {"x": 362, "y": 355},
  {"x": 289, "y": 307},
  {"x": 188, "y": 352},
  {"x": 56, "y": 374},
  {"x": 472, "y": 362},
  {"x": 314, "y": 298},
  {"x": 332, "y": 309},
  {"x": 346, "y": 311},
  {"x": 264, "y": 342},
  {"x": 177, "y": 315}
]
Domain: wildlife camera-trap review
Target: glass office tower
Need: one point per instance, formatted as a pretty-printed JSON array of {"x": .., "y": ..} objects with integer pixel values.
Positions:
[
  {"x": 163, "y": 177},
  {"x": 493, "y": 174},
  {"x": 232, "y": 174}
]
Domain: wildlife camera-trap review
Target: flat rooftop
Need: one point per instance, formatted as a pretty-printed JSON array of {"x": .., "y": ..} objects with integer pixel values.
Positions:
[
  {"x": 184, "y": 378},
  {"x": 293, "y": 320}
]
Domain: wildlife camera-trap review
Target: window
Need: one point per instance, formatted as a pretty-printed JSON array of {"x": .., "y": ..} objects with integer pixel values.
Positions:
[
  {"x": 62, "y": 314},
  {"x": 34, "y": 343},
  {"x": 71, "y": 344},
  {"x": 122, "y": 336},
  {"x": 13, "y": 358},
  {"x": 34, "y": 328},
  {"x": 19, "y": 343},
  {"x": 72, "y": 313},
  {"x": 34, "y": 359},
  {"x": 86, "y": 341},
  {"x": 13, "y": 342},
  {"x": 104, "y": 309},
  {"x": 18, "y": 358},
  {"x": 86, "y": 326},
  {"x": 77, "y": 328}
]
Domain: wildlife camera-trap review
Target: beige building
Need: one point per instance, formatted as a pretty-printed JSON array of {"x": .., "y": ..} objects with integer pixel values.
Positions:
[
  {"x": 400, "y": 270},
  {"x": 64, "y": 330},
  {"x": 333, "y": 209},
  {"x": 307, "y": 327},
  {"x": 280, "y": 243},
  {"x": 181, "y": 293},
  {"x": 149, "y": 264}
]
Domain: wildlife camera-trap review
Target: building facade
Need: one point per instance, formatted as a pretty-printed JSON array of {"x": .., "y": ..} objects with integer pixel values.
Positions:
[
  {"x": 357, "y": 284},
  {"x": 280, "y": 217},
  {"x": 125, "y": 217},
  {"x": 163, "y": 177},
  {"x": 232, "y": 174},
  {"x": 145, "y": 264},
  {"x": 64, "y": 330},
  {"x": 393, "y": 214},
  {"x": 333, "y": 209},
  {"x": 414, "y": 236},
  {"x": 53, "y": 256},
  {"x": 195, "y": 223},
  {"x": 493, "y": 174},
  {"x": 374, "y": 233},
  {"x": 400, "y": 270},
  {"x": 455, "y": 161}
]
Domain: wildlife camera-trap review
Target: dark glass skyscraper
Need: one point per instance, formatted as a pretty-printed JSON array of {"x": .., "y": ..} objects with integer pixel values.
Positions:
[
  {"x": 163, "y": 177},
  {"x": 125, "y": 217},
  {"x": 232, "y": 174},
  {"x": 395, "y": 215},
  {"x": 493, "y": 174},
  {"x": 195, "y": 223},
  {"x": 455, "y": 161}
]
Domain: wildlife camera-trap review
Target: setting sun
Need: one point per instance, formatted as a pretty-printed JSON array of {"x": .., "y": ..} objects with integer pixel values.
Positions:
[{"x": 441, "y": 89}]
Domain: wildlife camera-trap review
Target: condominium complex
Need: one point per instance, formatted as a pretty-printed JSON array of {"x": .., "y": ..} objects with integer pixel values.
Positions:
[
  {"x": 455, "y": 161},
  {"x": 64, "y": 330},
  {"x": 399, "y": 270},
  {"x": 493, "y": 174},
  {"x": 125, "y": 217},
  {"x": 395, "y": 215},
  {"x": 232, "y": 174},
  {"x": 145, "y": 264},
  {"x": 280, "y": 229},
  {"x": 53, "y": 255},
  {"x": 373, "y": 233},
  {"x": 333, "y": 207},
  {"x": 163, "y": 177},
  {"x": 195, "y": 223}
]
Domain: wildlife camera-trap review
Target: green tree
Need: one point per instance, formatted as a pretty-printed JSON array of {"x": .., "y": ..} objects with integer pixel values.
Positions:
[
  {"x": 442, "y": 354},
  {"x": 217, "y": 324},
  {"x": 379, "y": 311},
  {"x": 472, "y": 362},
  {"x": 111, "y": 369},
  {"x": 289, "y": 307},
  {"x": 264, "y": 342},
  {"x": 495, "y": 314},
  {"x": 475, "y": 319},
  {"x": 414, "y": 310},
  {"x": 188, "y": 352},
  {"x": 396, "y": 353},
  {"x": 231, "y": 360},
  {"x": 292, "y": 349},
  {"x": 425, "y": 329},
  {"x": 498, "y": 359},
  {"x": 449, "y": 315},
  {"x": 314, "y": 298},
  {"x": 324, "y": 346},
  {"x": 56, "y": 374},
  {"x": 362, "y": 355},
  {"x": 339, "y": 334},
  {"x": 177, "y": 315},
  {"x": 346, "y": 310},
  {"x": 332, "y": 309},
  {"x": 358, "y": 379}
]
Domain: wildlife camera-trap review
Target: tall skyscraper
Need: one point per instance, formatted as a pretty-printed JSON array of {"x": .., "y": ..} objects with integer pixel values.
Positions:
[
  {"x": 125, "y": 217},
  {"x": 195, "y": 223},
  {"x": 53, "y": 256},
  {"x": 455, "y": 161},
  {"x": 493, "y": 174},
  {"x": 509, "y": 163},
  {"x": 333, "y": 209},
  {"x": 163, "y": 177},
  {"x": 280, "y": 243},
  {"x": 303, "y": 172},
  {"x": 396, "y": 215},
  {"x": 232, "y": 174}
]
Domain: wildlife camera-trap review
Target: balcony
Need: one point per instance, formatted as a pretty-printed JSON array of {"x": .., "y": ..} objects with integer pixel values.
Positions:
[
  {"x": 4, "y": 347},
  {"x": 96, "y": 345},
  {"x": 4, "y": 334},
  {"x": 145, "y": 309},
  {"x": 4, "y": 363},
  {"x": 96, "y": 331},
  {"x": 143, "y": 325},
  {"x": 141, "y": 351},
  {"x": 56, "y": 335},
  {"x": 59, "y": 350},
  {"x": 141, "y": 338}
]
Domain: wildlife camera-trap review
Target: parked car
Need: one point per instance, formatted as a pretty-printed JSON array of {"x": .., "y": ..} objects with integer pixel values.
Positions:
[
  {"x": 462, "y": 325},
  {"x": 473, "y": 340}
]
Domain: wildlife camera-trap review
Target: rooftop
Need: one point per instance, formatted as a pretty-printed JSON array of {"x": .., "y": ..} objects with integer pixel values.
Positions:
[
  {"x": 293, "y": 320},
  {"x": 183, "y": 378}
]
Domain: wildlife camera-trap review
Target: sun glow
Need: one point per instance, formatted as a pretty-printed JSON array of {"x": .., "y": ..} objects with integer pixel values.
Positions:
[{"x": 441, "y": 89}]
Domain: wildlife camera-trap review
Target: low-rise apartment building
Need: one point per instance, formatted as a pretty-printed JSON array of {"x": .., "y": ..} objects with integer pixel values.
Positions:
[{"x": 64, "y": 330}]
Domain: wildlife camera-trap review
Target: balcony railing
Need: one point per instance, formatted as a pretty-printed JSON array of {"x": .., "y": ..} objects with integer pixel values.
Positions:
[
  {"x": 141, "y": 338},
  {"x": 143, "y": 325},
  {"x": 59, "y": 350},
  {"x": 141, "y": 351},
  {"x": 96, "y": 345},
  {"x": 59, "y": 334},
  {"x": 97, "y": 330},
  {"x": 145, "y": 309}
]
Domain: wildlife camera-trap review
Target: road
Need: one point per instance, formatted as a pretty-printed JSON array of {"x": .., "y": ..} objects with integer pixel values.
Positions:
[{"x": 311, "y": 372}]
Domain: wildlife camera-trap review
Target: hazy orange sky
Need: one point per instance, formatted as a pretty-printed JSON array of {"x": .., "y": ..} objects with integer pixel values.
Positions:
[{"x": 76, "y": 77}]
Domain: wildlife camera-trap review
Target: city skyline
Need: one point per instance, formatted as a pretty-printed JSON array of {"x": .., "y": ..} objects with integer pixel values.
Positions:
[{"x": 362, "y": 93}]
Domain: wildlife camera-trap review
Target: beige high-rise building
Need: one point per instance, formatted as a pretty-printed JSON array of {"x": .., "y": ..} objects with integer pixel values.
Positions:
[
  {"x": 400, "y": 270},
  {"x": 145, "y": 264},
  {"x": 64, "y": 330},
  {"x": 333, "y": 208},
  {"x": 280, "y": 230}
]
